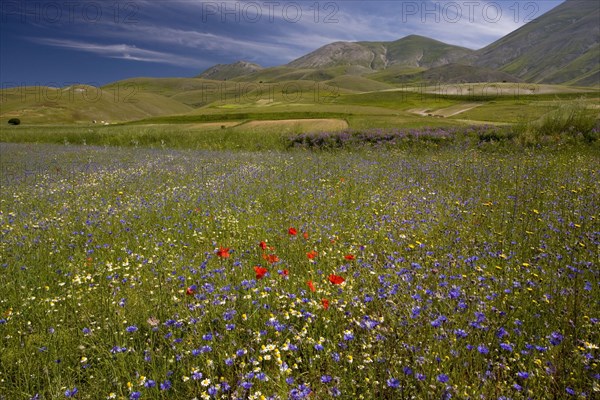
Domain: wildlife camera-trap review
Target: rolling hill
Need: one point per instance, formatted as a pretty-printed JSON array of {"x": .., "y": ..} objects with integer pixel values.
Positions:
[{"x": 41, "y": 104}]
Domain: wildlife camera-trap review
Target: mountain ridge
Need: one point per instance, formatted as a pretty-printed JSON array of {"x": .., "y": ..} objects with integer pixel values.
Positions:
[
  {"x": 411, "y": 50},
  {"x": 561, "y": 46},
  {"x": 228, "y": 71}
]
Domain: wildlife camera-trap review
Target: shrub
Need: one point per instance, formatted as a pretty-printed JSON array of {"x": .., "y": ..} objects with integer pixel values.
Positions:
[
  {"x": 14, "y": 121},
  {"x": 570, "y": 118},
  {"x": 568, "y": 121}
]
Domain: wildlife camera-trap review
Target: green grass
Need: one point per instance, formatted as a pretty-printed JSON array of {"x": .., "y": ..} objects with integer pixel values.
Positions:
[
  {"x": 472, "y": 266},
  {"x": 43, "y": 105},
  {"x": 228, "y": 122}
]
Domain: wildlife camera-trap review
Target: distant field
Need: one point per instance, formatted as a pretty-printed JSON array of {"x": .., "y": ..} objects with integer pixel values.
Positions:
[{"x": 230, "y": 120}]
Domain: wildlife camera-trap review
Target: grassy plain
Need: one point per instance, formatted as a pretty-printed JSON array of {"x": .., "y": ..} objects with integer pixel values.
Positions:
[{"x": 204, "y": 255}]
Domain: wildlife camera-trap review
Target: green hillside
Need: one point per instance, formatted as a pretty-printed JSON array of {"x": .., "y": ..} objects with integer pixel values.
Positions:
[
  {"x": 80, "y": 103},
  {"x": 557, "y": 47}
]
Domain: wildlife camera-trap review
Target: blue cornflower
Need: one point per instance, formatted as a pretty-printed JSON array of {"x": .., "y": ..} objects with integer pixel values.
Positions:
[
  {"x": 166, "y": 385},
  {"x": 523, "y": 375},
  {"x": 501, "y": 332},
  {"x": 393, "y": 383},
  {"x": 71, "y": 392},
  {"x": 206, "y": 349},
  {"x": 196, "y": 375},
  {"x": 135, "y": 395},
  {"x": 131, "y": 329},
  {"x": 454, "y": 293},
  {"x": 438, "y": 321},
  {"x": 150, "y": 383},
  {"x": 326, "y": 378},
  {"x": 506, "y": 346},
  {"x": 483, "y": 349},
  {"x": 555, "y": 338},
  {"x": 460, "y": 333},
  {"x": 443, "y": 378},
  {"x": 246, "y": 385}
]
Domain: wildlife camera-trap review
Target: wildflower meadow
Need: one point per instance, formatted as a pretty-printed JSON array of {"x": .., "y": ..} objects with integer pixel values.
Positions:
[{"x": 375, "y": 274}]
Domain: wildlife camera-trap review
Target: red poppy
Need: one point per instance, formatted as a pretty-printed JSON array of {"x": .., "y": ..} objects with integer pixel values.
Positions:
[
  {"x": 312, "y": 254},
  {"x": 336, "y": 279},
  {"x": 325, "y": 303},
  {"x": 189, "y": 291},
  {"x": 292, "y": 231},
  {"x": 271, "y": 258},
  {"x": 311, "y": 286},
  {"x": 285, "y": 272},
  {"x": 223, "y": 252},
  {"x": 260, "y": 272},
  {"x": 305, "y": 235},
  {"x": 262, "y": 245},
  {"x": 349, "y": 257}
]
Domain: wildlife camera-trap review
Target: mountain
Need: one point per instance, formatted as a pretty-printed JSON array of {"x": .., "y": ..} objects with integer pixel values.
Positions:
[
  {"x": 561, "y": 46},
  {"x": 223, "y": 72},
  {"x": 410, "y": 51}
]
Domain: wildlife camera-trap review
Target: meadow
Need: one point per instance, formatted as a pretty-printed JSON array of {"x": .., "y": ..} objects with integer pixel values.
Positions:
[{"x": 427, "y": 272}]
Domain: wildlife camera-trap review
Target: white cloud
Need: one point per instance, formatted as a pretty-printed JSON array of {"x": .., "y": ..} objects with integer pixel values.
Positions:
[{"x": 121, "y": 51}]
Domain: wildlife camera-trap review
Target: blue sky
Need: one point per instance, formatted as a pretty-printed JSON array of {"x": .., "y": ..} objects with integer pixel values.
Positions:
[{"x": 61, "y": 42}]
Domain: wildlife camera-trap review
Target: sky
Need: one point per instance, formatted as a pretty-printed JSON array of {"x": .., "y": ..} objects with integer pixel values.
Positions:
[{"x": 62, "y": 42}]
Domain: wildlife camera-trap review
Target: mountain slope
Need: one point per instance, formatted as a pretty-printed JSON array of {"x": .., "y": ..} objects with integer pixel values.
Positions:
[
  {"x": 411, "y": 51},
  {"x": 222, "y": 72},
  {"x": 557, "y": 47}
]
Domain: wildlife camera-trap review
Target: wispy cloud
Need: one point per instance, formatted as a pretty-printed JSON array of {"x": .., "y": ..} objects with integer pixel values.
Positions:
[
  {"x": 122, "y": 51},
  {"x": 193, "y": 34}
]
